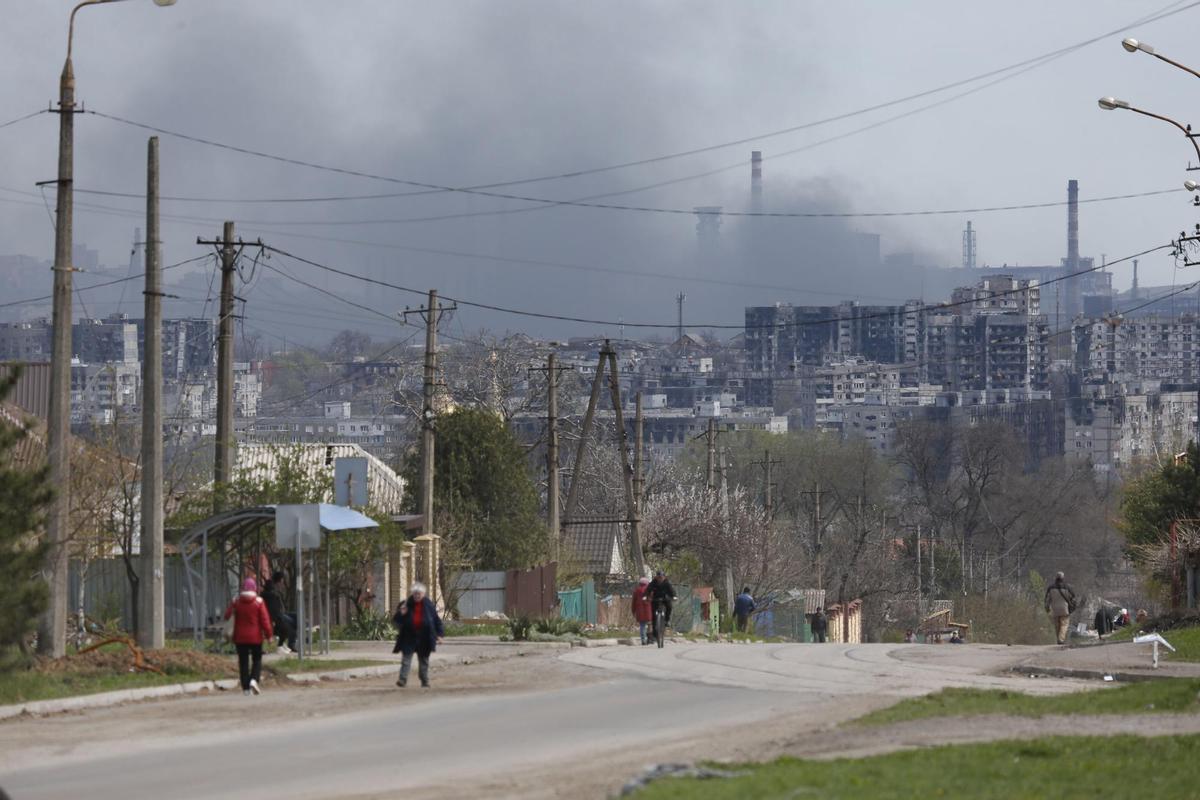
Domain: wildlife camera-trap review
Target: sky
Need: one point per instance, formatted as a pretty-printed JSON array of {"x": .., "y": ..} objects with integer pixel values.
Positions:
[{"x": 467, "y": 93}]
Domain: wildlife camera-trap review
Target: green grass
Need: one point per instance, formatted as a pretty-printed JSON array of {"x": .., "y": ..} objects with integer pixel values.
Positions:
[
  {"x": 286, "y": 665},
  {"x": 1186, "y": 642},
  {"x": 475, "y": 629},
  {"x": 1062, "y": 768},
  {"x": 27, "y": 686},
  {"x": 1169, "y": 695}
]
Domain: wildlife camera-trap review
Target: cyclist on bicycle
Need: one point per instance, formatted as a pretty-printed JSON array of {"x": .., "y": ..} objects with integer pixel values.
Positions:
[{"x": 661, "y": 593}]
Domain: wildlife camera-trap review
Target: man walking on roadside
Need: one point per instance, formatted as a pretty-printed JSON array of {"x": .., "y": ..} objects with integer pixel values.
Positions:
[
  {"x": 283, "y": 622},
  {"x": 1060, "y": 602},
  {"x": 743, "y": 606},
  {"x": 820, "y": 625}
]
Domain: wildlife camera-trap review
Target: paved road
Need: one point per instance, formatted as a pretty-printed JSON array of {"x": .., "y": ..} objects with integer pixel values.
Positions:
[{"x": 643, "y": 696}]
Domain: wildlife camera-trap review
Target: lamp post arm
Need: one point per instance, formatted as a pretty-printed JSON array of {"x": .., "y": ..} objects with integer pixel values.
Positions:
[
  {"x": 1183, "y": 128},
  {"x": 1176, "y": 64},
  {"x": 71, "y": 25}
]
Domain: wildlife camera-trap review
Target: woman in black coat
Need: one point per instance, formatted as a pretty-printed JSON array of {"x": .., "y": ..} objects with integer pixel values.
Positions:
[{"x": 420, "y": 631}]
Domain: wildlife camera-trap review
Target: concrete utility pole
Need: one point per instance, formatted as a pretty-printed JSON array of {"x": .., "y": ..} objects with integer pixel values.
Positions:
[
  {"x": 223, "y": 465},
  {"x": 151, "y": 630},
  {"x": 52, "y": 631}
]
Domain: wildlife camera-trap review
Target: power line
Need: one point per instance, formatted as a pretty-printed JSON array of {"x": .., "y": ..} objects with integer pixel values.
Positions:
[
  {"x": 27, "y": 116},
  {"x": 431, "y": 188},
  {"x": 720, "y": 326},
  {"x": 102, "y": 285}
]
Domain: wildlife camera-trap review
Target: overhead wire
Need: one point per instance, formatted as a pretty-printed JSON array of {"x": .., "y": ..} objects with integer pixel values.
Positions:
[
  {"x": 484, "y": 189},
  {"x": 715, "y": 326}
]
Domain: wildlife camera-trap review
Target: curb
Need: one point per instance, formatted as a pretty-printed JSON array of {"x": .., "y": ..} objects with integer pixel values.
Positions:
[
  {"x": 1035, "y": 671},
  {"x": 103, "y": 699}
]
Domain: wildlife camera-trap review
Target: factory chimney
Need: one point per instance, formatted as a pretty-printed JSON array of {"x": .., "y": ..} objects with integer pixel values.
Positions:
[
  {"x": 756, "y": 180},
  {"x": 1074, "y": 284}
]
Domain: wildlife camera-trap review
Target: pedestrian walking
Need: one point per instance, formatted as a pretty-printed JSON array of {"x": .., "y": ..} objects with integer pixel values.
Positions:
[
  {"x": 743, "y": 607},
  {"x": 820, "y": 626},
  {"x": 283, "y": 622},
  {"x": 643, "y": 610},
  {"x": 251, "y": 625},
  {"x": 420, "y": 630},
  {"x": 1060, "y": 602}
]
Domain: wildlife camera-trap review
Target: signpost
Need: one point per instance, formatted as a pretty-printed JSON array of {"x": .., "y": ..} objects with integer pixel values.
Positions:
[{"x": 299, "y": 527}]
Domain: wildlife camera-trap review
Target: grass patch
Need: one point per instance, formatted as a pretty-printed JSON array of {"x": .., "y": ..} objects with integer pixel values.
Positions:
[
  {"x": 1170, "y": 695},
  {"x": 476, "y": 629},
  {"x": 286, "y": 665},
  {"x": 1186, "y": 641},
  {"x": 28, "y": 685},
  {"x": 1063, "y": 768}
]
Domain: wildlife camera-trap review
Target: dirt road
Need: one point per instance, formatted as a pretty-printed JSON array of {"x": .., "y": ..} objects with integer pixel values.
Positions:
[{"x": 538, "y": 725}]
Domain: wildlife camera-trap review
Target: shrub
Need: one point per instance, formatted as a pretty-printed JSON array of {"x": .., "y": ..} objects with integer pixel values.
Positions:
[
  {"x": 369, "y": 625},
  {"x": 519, "y": 627}
]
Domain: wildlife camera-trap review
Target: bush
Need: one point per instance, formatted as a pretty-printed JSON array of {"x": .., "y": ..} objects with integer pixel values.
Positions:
[
  {"x": 519, "y": 627},
  {"x": 368, "y": 625}
]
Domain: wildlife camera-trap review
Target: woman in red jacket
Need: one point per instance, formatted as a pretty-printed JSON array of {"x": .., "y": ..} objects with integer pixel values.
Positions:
[
  {"x": 643, "y": 612},
  {"x": 251, "y": 625}
]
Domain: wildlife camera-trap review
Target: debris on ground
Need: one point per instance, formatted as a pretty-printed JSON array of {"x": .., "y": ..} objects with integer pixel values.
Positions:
[
  {"x": 658, "y": 771},
  {"x": 114, "y": 661}
]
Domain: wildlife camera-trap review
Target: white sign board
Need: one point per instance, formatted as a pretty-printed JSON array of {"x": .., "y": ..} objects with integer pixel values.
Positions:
[
  {"x": 350, "y": 482},
  {"x": 303, "y": 521}
]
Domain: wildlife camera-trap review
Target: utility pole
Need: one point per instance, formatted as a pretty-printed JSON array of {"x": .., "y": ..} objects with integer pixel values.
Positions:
[
  {"x": 581, "y": 451},
  {"x": 710, "y": 478},
  {"x": 767, "y": 463},
  {"x": 553, "y": 484},
  {"x": 151, "y": 630},
  {"x": 52, "y": 630},
  {"x": 614, "y": 383},
  {"x": 229, "y": 250},
  {"x": 223, "y": 466},
  {"x": 638, "y": 480},
  {"x": 432, "y": 315},
  {"x": 428, "y": 414}
]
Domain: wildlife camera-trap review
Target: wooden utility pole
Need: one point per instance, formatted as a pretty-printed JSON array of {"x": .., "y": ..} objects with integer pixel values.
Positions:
[
  {"x": 635, "y": 524},
  {"x": 229, "y": 250},
  {"x": 581, "y": 450},
  {"x": 223, "y": 465},
  {"x": 428, "y": 414},
  {"x": 710, "y": 475},
  {"x": 767, "y": 463},
  {"x": 614, "y": 384},
  {"x": 553, "y": 482},
  {"x": 151, "y": 628}
]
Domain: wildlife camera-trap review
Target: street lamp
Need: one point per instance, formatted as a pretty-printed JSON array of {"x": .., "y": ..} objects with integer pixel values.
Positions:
[
  {"x": 1133, "y": 45},
  {"x": 52, "y": 630},
  {"x": 1112, "y": 104}
]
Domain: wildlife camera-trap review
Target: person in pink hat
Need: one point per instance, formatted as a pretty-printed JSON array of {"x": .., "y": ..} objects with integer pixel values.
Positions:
[{"x": 251, "y": 625}]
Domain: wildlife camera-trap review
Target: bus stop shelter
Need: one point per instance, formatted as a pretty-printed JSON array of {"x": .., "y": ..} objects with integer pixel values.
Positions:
[{"x": 233, "y": 538}]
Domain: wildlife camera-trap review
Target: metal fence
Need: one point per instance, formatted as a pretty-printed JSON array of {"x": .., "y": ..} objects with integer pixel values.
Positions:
[
  {"x": 107, "y": 596},
  {"x": 479, "y": 593}
]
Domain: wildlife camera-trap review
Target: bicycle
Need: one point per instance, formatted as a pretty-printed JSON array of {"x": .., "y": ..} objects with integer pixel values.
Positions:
[{"x": 660, "y": 622}]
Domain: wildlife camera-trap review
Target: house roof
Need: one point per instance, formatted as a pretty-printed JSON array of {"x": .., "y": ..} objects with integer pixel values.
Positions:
[
  {"x": 597, "y": 544},
  {"x": 385, "y": 489}
]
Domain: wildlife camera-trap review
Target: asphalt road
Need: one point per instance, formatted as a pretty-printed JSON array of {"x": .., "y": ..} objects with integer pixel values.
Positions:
[{"x": 643, "y": 696}]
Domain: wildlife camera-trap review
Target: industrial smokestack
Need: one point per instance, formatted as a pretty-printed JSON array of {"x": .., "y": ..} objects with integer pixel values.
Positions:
[
  {"x": 756, "y": 180},
  {"x": 1073, "y": 225}
]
